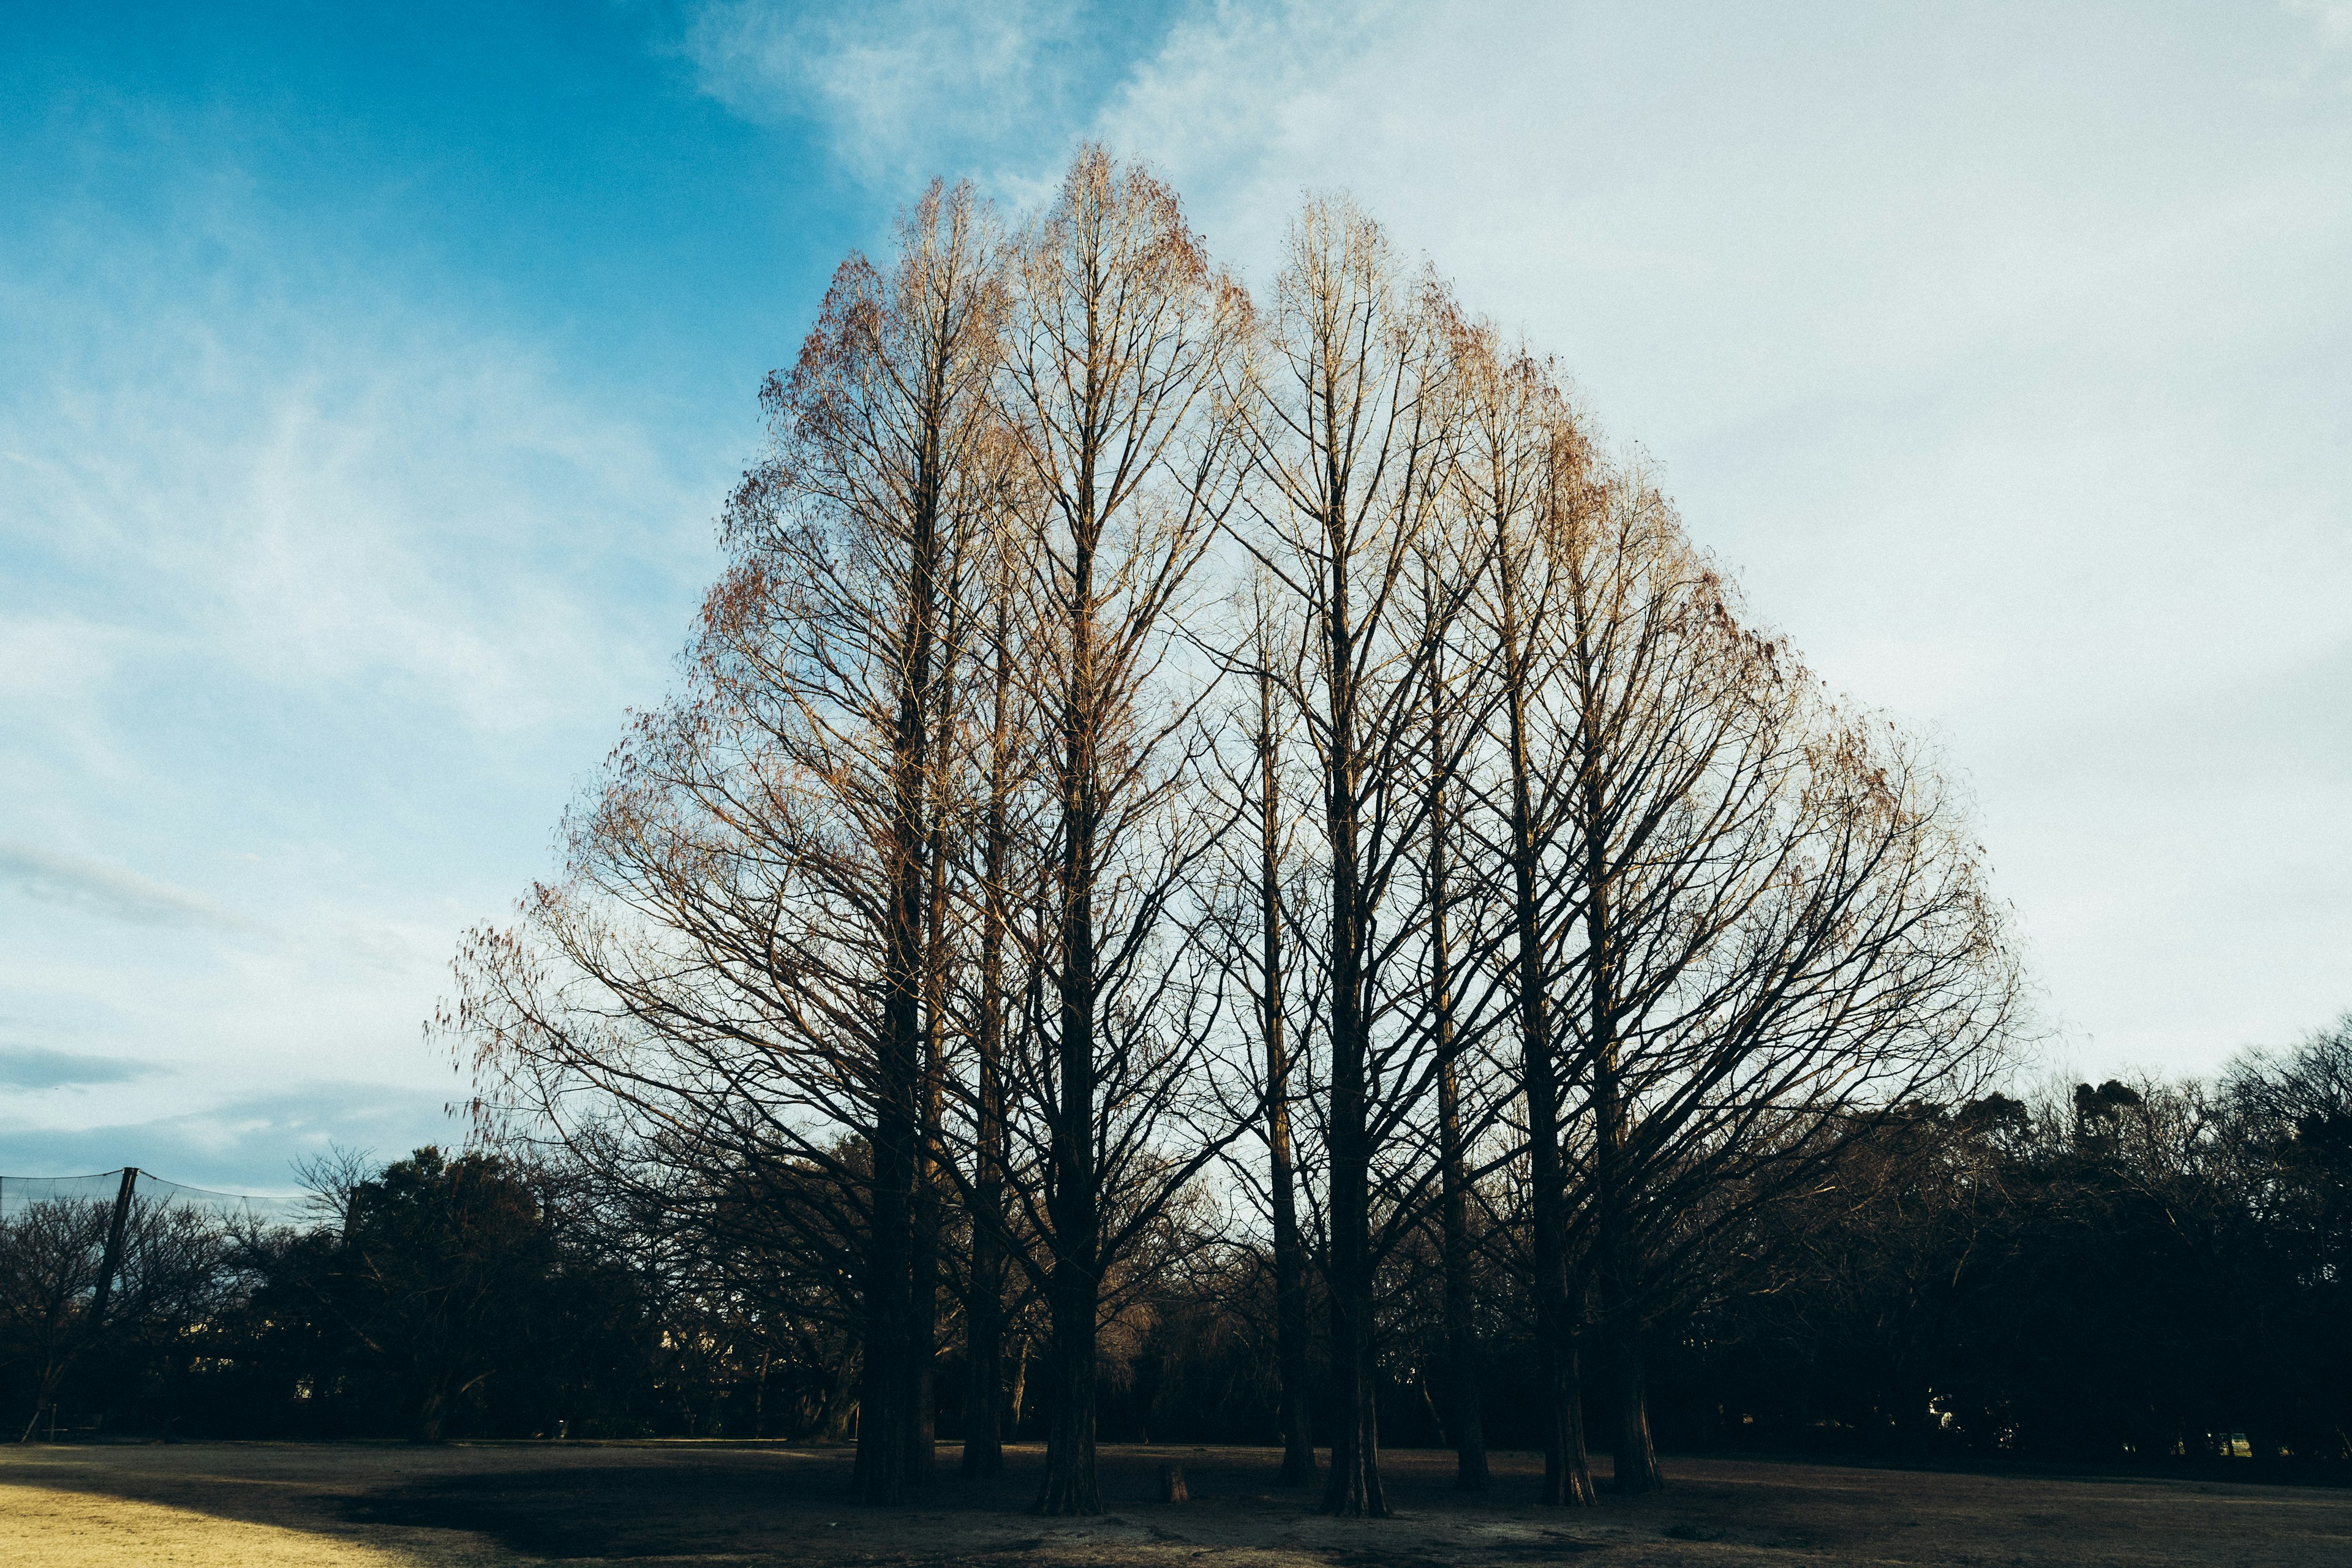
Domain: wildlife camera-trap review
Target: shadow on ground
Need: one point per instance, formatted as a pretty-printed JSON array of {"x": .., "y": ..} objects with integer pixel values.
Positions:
[{"x": 721, "y": 1504}]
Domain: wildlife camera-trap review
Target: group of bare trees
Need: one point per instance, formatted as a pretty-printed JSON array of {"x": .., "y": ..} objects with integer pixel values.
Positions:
[{"x": 1151, "y": 750}]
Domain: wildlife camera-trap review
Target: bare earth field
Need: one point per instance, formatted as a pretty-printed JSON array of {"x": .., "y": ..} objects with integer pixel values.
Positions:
[{"x": 284, "y": 1505}]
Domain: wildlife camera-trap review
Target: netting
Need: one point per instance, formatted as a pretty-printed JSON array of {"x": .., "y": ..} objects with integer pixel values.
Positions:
[
  {"x": 112, "y": 1251},
  {"x": 153, "y": 1194}
]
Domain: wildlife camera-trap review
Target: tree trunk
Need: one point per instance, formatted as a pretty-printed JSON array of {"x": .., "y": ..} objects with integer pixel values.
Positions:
[
  {"x": 44, "y": 1391},
  {"x": 923, "y": 1320},
  {"x": 1291, "y": 1328},
  {"x": 836, "y": 1414},
  {"x": 1464, "y": 1420},
  {"x": 1355, "y": 1483},
  {"x": 1464, "y": 1415},
  {"x": 1568, "y": 1478},
  {"x": 1636, "y": 1452},
  {"x": 1072, "y": 1283},
  {"x": 1070, "y": 1485},
  {"x": 1290, "y": 1324},
  {"x": 983, "y": 1438},
  {"x": 923, "y": 1284},
  {"x": 432, "y": 1413},
  {"x": 1355, "y": 1439},
  {"x": 885, "y": 1436},
  {"x": 1020, "y": 1394},
  {"x": 983, "y": 1422},
  {"x": 984, "y": 1442},
  {"x": 1635, "y": 1455},
  {"x": 881, "y": 1469}
]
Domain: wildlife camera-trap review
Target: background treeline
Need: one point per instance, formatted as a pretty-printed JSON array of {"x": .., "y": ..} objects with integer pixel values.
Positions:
[{"x": 2150, "y": 1273}]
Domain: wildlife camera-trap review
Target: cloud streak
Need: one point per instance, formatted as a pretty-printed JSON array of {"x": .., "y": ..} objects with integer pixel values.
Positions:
[
  {"x": 33, "y": 1068},
  {"x": 318, "y": 514},
  {"x": 111, "y": 893},
  {"x": 894, "y": 84}
]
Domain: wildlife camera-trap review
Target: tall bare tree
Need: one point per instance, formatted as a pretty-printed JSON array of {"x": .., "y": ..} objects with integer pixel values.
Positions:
[
  {"x": 737, "y": 964},
  {"x": 1447, "y": 719},
  {"x": 1522, "y": 464},
  {"x": 1252, "y": 922},
  {"x": 1756, "y": 919},
  {"x": 1002, "y": 765},
  {"x": 1349, "y": 443},
  {"x": 1120, "y": 338},
  {"x": 1290, "y": 1261},
  {"x": 919, "y": 902}
]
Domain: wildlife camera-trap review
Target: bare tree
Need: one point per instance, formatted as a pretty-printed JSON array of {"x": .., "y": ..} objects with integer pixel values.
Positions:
[
  {"x": 1522, "y": 462},
  {"x": 1251, "y": 919},
  {"x": 1446, "y": 725},
  {"x": 1348, "y": 444},
  {"x": 904, "y": 936},
  {"x": 1289, "y": 1253},
  {"x": 48, "y": 1266},
  {"x": 739, "y": 965},
  {"x": 984, "y": 1401},
  {"x": 1121, "y": 333},
  {"x": 1760, "y": 919}
]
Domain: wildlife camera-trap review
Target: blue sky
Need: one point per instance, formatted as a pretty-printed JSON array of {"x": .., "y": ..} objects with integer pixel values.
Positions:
[{"x": 369, "y": 378}]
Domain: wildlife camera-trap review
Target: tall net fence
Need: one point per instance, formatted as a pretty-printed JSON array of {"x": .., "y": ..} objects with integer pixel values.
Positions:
[
  {"x": 153, "y": 1195},
  {"x": 93, "y": 1268}
]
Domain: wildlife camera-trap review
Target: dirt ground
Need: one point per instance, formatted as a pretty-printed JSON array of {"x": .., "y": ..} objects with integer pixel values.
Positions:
[{"x": 495, "y": 1505}]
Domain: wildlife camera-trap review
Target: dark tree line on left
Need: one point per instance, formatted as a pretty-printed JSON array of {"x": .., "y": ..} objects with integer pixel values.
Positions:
[
  {"x": 436, "y": 1295},
  {"x": 432, "y": 1291}
]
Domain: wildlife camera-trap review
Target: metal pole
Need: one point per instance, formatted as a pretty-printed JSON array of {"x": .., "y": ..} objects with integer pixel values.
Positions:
[{"x": 112, "y": 1259}]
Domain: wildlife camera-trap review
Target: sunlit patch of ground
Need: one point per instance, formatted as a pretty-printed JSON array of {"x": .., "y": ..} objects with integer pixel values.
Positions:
[
  {"x": 496, "y": 1505},
  {"x": 44, "y": 1528}
]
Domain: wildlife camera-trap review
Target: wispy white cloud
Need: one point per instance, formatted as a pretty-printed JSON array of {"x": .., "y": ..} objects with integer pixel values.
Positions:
[
  {"x": 899, "y": 85},
  {"x": 336, "y": 986},
  {"x": 55, "y": 658},
  {"x": 1247, "y": 104},
  {"x": 93, "y": 887},
  {"x": 319, "y": 588},
  {"x": 322, "y": 509}
]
